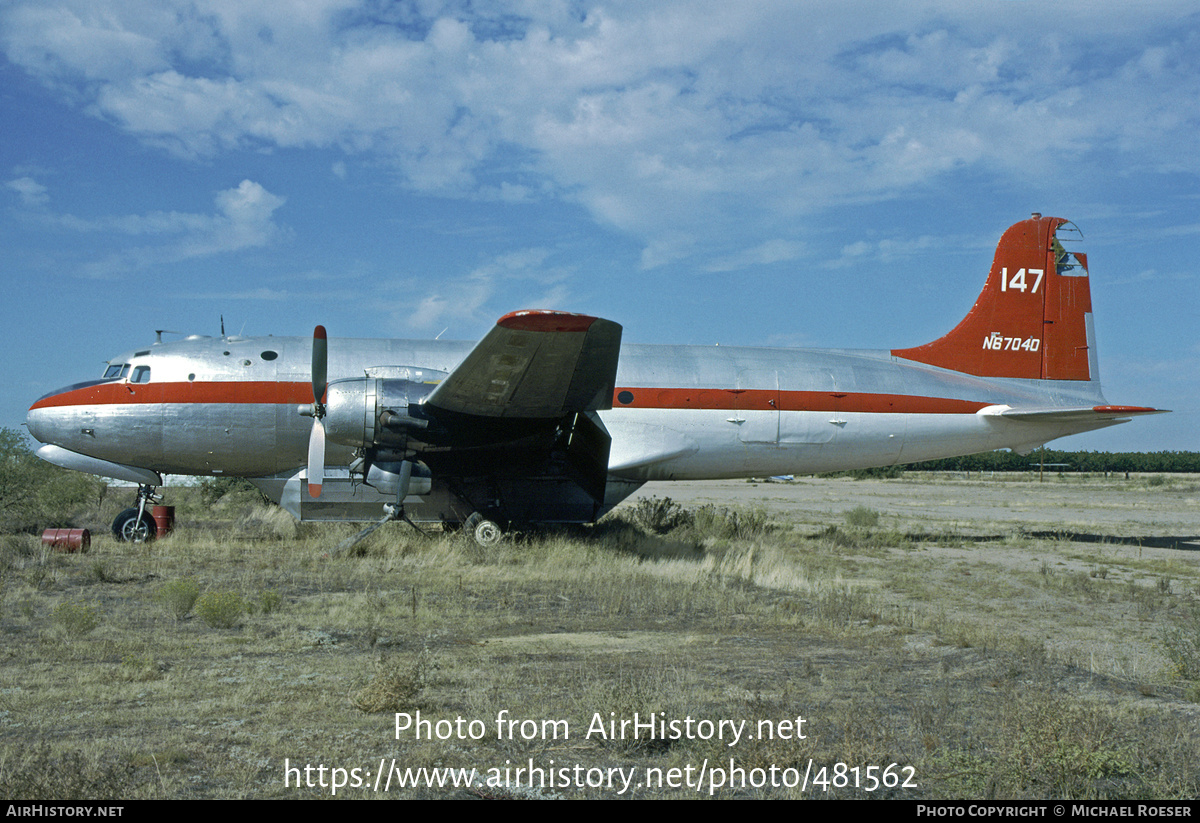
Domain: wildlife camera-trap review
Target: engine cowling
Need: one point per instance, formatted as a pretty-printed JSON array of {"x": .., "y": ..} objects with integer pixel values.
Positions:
[{"x": 368, "y": 412}]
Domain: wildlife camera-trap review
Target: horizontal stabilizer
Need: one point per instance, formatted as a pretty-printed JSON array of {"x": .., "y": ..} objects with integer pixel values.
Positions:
[
  {"x": 1069, "y": 414},
  {"x": 536, "y": 365}
]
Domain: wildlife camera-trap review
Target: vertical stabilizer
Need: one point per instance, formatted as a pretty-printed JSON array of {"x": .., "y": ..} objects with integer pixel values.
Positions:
[{"x": 1032, "y": 318}]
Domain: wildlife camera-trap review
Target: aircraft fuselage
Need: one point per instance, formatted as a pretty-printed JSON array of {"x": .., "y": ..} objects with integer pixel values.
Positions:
[
  {"x": 230, "y": 406},
  {"x": 551, "y": 418}
]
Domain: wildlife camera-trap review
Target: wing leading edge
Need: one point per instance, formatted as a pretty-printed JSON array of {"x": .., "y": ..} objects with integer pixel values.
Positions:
[{"x": 535, "y": 365}]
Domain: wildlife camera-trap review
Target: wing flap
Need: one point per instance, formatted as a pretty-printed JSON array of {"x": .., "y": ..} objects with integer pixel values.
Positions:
[{"x": 535, "y": 365}]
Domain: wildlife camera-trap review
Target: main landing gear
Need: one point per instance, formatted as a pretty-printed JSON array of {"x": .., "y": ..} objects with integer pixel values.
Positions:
[
  {"x": 486, "y": 533},
  {"x": 136, "y": 525}
]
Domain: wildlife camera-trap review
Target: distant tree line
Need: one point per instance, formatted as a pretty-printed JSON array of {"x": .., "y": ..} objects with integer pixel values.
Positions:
[{"x": 1064, "y": 461}]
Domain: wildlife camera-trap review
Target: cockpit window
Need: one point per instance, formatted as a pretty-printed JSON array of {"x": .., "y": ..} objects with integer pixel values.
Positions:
[
  {"x": 115, "y": 371},
  {"x": 140, "y": 375}
]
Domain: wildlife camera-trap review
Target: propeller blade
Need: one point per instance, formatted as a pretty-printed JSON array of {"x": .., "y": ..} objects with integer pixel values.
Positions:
[
  {"x": 316, "y": 458},
  {"x": 406, "y": 470},
  {"x": 320, "y": 364}
]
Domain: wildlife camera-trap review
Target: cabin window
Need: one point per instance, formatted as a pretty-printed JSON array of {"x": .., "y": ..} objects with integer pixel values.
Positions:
[
  {"x": 269, "y": 355},
  {"x": 140, "y": 375}
]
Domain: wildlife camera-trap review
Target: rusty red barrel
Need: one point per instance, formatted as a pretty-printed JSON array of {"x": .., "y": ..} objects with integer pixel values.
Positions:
[
  {"x": 164, "y": 520},
  {"x": 67, "y": 540}
]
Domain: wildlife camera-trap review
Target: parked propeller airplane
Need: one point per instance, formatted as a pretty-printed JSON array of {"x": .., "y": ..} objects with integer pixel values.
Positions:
[{"x": 549, "y": 419}]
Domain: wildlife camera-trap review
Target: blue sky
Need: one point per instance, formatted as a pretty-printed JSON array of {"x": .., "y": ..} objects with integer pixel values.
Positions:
[{"x": 769, "y": 173}]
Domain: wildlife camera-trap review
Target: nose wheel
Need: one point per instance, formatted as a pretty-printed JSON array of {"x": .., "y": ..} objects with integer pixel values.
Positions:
[
  {"x": 136, "y": 525},
  {"x": 129, "y": 527}
]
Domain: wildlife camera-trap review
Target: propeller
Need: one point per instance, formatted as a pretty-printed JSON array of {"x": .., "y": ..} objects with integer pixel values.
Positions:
[{"x": 316, "y": 439}]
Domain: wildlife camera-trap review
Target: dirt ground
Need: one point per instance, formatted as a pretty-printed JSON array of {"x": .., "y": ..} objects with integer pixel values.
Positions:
[
  {"x": 983, "y": 527},
  {"x": 1002, "y": 637},
  {"x": 1112, "y": 507}
]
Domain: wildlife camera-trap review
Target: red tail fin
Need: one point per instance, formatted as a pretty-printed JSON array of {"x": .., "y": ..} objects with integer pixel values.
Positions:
[{"x": 1031, "y": 319}]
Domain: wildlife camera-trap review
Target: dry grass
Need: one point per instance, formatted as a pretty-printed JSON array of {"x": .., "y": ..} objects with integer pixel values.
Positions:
[{"x": 992, "y": 662}]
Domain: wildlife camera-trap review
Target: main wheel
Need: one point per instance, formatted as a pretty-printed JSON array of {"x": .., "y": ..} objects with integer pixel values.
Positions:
[
  {"x": 488, "y": 533},
  {"x": 127, "y": 528}
]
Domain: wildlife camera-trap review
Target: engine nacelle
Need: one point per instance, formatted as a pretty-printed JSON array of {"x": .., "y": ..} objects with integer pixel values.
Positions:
[
  {"x": 389, "y": 478},
  {"x": 377, "y": 411}
]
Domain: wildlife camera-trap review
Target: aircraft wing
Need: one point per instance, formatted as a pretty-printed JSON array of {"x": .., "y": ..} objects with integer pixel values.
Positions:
[
  {"x": 535, "y": 365},
  {"x": 1066, "y": 414}
]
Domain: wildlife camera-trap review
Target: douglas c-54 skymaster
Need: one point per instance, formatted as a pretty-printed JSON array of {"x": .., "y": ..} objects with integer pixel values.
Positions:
[{"x": 549, "y": 419}]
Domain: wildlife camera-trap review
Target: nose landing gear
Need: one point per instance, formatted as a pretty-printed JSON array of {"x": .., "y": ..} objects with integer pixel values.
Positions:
[{"x": 136, "y": 525}]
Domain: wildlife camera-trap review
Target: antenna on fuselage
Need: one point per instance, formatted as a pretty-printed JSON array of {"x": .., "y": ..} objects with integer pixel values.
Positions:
[
  {"x": 222, "y": 325},
  {"x": 158, "y": 333}
]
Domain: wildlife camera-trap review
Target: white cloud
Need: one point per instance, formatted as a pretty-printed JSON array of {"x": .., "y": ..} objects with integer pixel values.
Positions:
[
  {"x": 888, "y": 250},
  {"x": 772, "y": 251},
  {"x": 662, "y": 119},
  {"x": 524, "y": 278},
  {"x": 33, "y": 194},
  {"x": 244, "y": 219}
]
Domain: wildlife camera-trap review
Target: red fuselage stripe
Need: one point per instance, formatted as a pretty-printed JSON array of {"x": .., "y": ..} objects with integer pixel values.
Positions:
[
  {"x": 783, "y": 400},
  {"x": 274, "y": 393},
  {"x": 262, "y": 392}
]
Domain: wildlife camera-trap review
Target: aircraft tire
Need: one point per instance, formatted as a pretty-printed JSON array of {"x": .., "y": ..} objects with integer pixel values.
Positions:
[
  {"x": 487, "y": 533},
  {"x": 127, "y": 529}
]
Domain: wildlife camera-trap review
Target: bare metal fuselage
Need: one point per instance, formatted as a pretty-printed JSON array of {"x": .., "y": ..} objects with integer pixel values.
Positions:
[
  {"x": 521, "y": 424},
  {"x": 230, "y": 406}
]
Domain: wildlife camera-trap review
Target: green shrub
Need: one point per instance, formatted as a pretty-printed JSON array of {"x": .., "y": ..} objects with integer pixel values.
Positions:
[
  {"x": 730, "y": 524},
  {"x": 75, "y": 619},
  {"x": 178, "y": 597},
  {"x": 221, "y": 610},
  {"x": 269, "y": 601},
  {"x": 394, "y": 687},
  {"x": 138, "y": 668},
  {"x": 660, "y": 516},
  {"x": 861, "y": 517}
]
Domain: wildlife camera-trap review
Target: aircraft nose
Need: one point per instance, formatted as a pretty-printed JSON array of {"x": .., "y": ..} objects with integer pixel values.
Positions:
[
  {"x": 50, "y": 413},
  {"x": 37, "y": 420}
]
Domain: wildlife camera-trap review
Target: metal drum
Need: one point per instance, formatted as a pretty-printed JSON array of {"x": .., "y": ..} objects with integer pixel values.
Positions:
[{"x": 67, "y": 540}]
